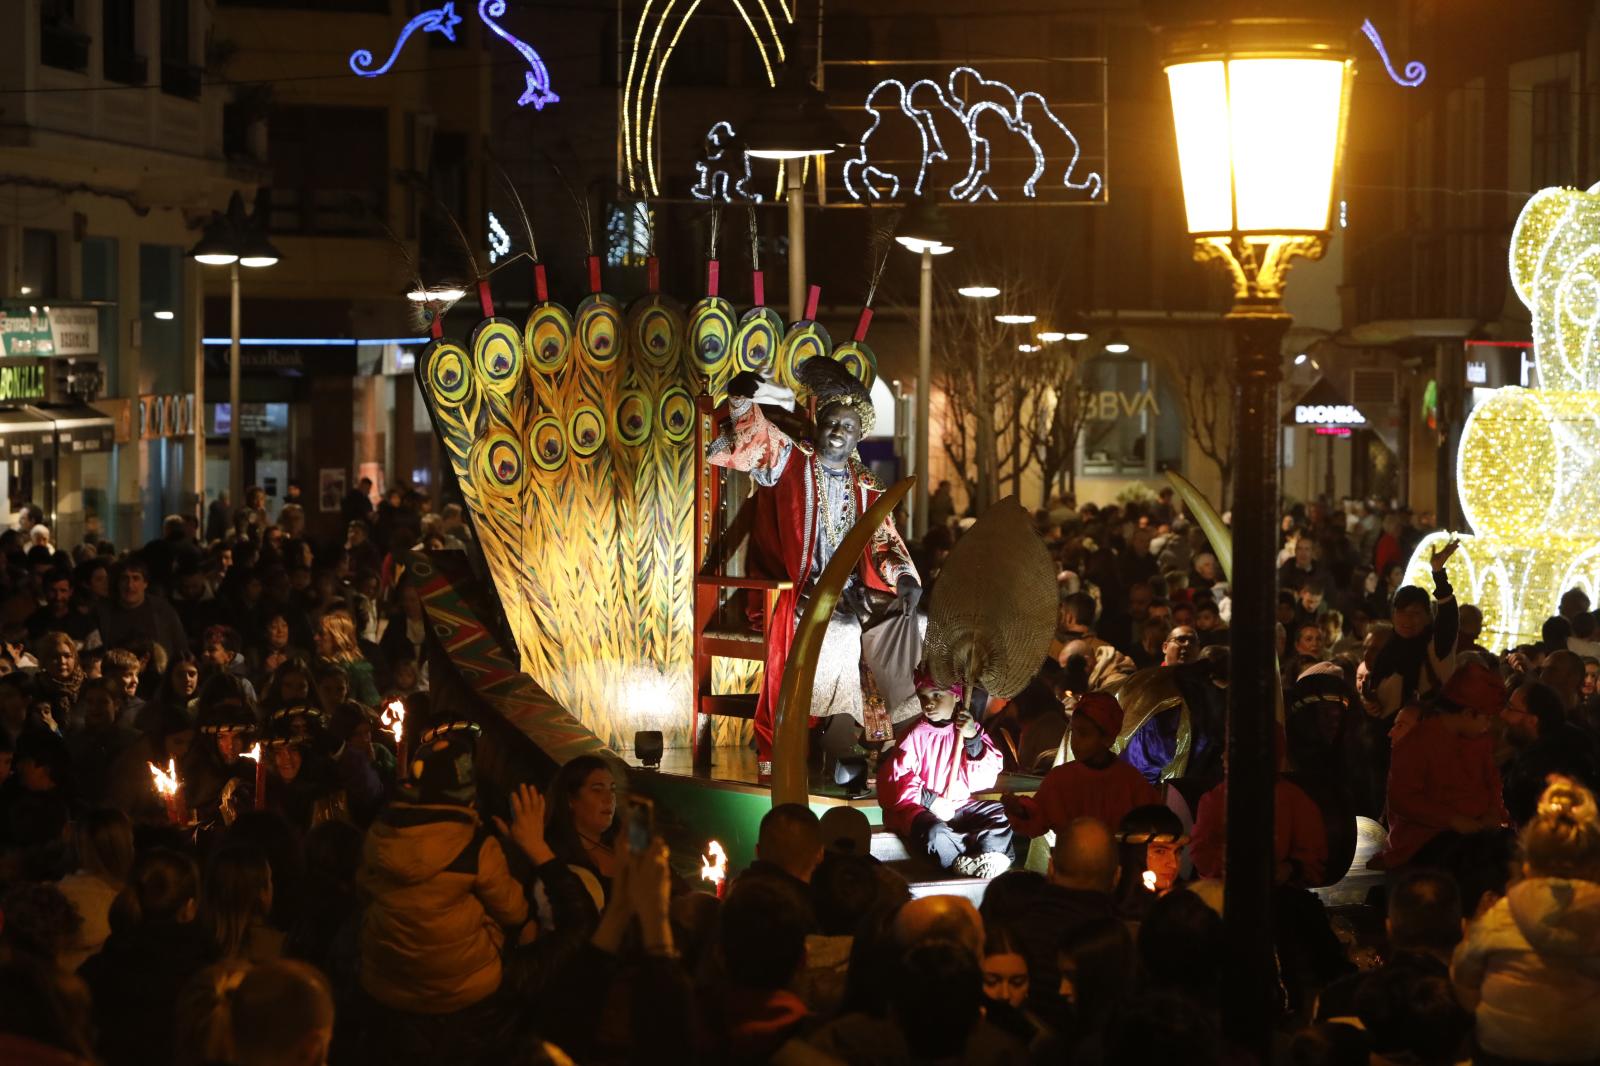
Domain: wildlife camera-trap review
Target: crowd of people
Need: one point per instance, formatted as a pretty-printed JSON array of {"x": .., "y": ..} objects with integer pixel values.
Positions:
[{"x": 301, "y": 898}]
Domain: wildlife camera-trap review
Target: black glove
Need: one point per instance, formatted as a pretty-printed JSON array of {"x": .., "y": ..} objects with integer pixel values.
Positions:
[
  {"x": 908, "y": 593},
  {"x": 744, "y": 384}
]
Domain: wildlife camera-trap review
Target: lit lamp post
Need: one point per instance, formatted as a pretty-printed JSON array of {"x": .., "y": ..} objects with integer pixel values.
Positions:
[
  {"x": 1259, "y": 106},
  {"x": 793, "y": 124},
  {"x": 925, "y": 232},
  {"x": 233, "y": 239}
]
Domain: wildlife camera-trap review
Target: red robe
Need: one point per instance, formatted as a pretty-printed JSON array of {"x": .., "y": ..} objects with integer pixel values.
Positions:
[{"x": 781, "y": 539}]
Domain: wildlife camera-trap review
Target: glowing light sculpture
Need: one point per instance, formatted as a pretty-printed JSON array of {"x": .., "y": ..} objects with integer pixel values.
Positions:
[
  {"x": 536, "y": 78},
  {"x": 1415, "y": 72},
  {"x": 499, "y": 240},
  {"x": 1528, "y": 466},
  {"x": 439, "y": 20},
  {"x": 444, "y": 20},
  {"x": 717, "y": 180}
]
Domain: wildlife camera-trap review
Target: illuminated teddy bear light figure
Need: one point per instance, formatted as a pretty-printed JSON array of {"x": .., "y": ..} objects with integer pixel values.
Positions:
[{"x": 1528, "y": 468}]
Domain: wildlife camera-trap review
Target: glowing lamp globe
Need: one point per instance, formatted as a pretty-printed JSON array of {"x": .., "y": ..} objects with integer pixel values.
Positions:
[{"x": 1259, "y": 106}]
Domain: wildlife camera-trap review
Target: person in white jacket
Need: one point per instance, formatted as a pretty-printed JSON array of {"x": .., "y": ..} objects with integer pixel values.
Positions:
[{"x": 1530, "y": 966}]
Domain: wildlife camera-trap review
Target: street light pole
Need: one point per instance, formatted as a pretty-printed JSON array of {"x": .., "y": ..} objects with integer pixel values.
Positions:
[
  {"x": 235, "y": 442},
  {"x": 921, "y": 499},
  {"x": 795, "y": 174},
  {"x": 1259, "y": 107}
]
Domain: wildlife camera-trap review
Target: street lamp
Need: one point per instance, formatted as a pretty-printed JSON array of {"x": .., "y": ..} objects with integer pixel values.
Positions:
[
  {"x": 231, "y": 239},
  {"x": 792, "y": 125},
  {"x": 925, "y": 232},
  {"x": 1259, "y": 106},
  {"x": 1117, "y": 344}
]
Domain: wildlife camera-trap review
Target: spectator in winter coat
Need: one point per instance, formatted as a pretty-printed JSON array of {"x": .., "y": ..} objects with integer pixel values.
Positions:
[
  {"x": 926, "y": 787},
  {"x": 1300, "y": 837},
  {"x": 1543, "y": 742},
  {"x": 443, "y": 900},
  {"x": 1531, "y": 965},
  {"x": 138, "y": 613},
  {"x": 1444, "y": 788},
  {"x": 1095, "y": 783}
]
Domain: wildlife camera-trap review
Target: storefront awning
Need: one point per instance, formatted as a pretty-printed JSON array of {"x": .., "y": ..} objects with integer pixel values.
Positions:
[
  {"x": 79, "y": 428},
  {"x": 25, "y": 434}
]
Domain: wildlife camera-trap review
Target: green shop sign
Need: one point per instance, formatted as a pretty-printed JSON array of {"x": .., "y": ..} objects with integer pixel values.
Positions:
[
  {"x": 22, "y": 380},
  {"x": 31, "y": 330}
]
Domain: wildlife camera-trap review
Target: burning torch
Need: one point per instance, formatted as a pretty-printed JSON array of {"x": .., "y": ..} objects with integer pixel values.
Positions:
[
  {"x": 166, "y": 782},
  {"x": 714, "y": 866},
  {"x": 394, "y": 720},
  {"x": 261, "y": 774}
]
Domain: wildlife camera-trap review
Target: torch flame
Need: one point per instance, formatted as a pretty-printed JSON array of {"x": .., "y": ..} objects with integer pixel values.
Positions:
[
  {"x": 394, "y": 719},
  {"x": 166, "y": 780},
  {"x": 1149, "y": 880},
  {"x": 714, "y": 864},
  {"x": 253, "y": 754}
]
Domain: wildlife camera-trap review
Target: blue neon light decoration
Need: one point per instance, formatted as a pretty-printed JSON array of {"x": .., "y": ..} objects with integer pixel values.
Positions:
[
  {"x": 536, "y": 91},
  {"x": 439, "y": 20},
  {"x": 1415, "y": 72},
  {"x": 537, "y": 77}
]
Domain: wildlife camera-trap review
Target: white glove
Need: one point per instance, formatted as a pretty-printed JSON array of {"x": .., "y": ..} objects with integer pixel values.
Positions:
[
  {"x": 777, "y": 395},
  {"x": 942, "y": 809}
]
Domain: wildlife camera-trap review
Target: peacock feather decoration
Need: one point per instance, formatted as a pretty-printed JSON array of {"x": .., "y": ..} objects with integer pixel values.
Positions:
[{"x": 571, "y": 435}]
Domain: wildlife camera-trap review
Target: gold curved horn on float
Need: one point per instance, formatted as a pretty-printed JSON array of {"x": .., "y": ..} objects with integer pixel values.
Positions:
[{"x": 800, "y": 672}]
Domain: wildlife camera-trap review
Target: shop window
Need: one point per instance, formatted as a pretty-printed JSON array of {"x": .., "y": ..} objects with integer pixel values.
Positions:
[
  {"x": 325, "y": 162},
  {"x": 41, "y": 263},
  {"x": 160, "y": 291},
  {"x": 1132, "y": 425},
  {"x": 627, "y": 235}
]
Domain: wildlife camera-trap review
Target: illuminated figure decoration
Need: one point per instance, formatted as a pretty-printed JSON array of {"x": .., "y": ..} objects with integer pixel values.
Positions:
[
  {"x": 1415, "y": 72},
  {"x": 536, "y": 77},
  {"x": 439, "y": 20},
  {"x": 718, "y": 178},
  {"x": 444, "y": 20},
  {"x": 983, "y": 109},
  {"x": 499, "y": 240},
  {"x": 1529, "y": 462},
  {"x": 656, "y": 35}
]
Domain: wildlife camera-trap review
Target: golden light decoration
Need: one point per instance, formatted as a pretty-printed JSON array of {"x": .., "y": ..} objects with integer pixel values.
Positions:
[{"x": 1529, "y": 461}]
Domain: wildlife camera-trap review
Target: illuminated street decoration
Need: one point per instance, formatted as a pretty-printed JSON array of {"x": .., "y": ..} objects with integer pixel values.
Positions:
[
  {"x": 444, "y": 20},
  {"x": 718, "y": 178},
  {"x": 980, "y": 111},
  {"x": 499, "y": 240},
  {"x": 536, "y": 77},
  {"x": 439, "y": 20},
  {"x": 1415, "y": 72},
  {"x": 1529, "y": 461},
  {"x": 985, "y": 110},
  {"x": 656, "y": 35}
]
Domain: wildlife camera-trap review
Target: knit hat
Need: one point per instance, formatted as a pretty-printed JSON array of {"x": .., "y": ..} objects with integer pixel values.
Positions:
[
  {"x": 1476, "y": 688},
  {"x": 1103, "y": 710},
  {"x": 442, "y": 765},
  {"x": 924, "y": 682}
]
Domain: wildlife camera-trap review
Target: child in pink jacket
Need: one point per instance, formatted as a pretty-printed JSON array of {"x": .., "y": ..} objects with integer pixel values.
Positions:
[{"x": 925, "y": 788}]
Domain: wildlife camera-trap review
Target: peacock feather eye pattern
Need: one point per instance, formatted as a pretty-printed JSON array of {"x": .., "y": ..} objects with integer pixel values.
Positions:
[
  {"x": 548, "y": 338},
  {"x": 755, "y": 345},
  {"x": 599, "y": 331},
  {"x": 586, "y": 431},
  {"x": 711, "y": 330},
  {"x": 859, "y": 359},
  {"x": 658, "y": 332},
  {"x": 631, "y": 420},
  {"x": 498, "y": 465},
  {"x": 547, "y": 444},
  {"x": 449, "y": 374},
  {"x": 497, "y": 357},
  {"x": 806, "y": 340},
  {"x": 677, "y": 413}
]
